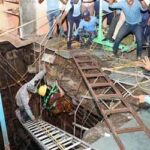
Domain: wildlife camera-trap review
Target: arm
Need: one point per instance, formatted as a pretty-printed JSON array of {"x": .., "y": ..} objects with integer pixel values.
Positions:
[
  {"x": 143, "y": 98},
  {"x": 115, "y": 5},
  {"x": 31, "y": 85},
  {"x": 144, "y": 6},
  {"x": 64, "y": 1},
  {"x": 63, "y": 17},
  {"x": 27, "y": 107},
  {"x": 60, "y": 90},
  {"x": 111, "y": 2},
  {"x": 67, "y": 8}
]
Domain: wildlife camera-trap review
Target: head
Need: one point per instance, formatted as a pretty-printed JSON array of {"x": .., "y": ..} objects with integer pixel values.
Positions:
[
  {"x": 130, "y": 2},
  {"x": 86, "y": 15},
  {"x": 42, "y": 90}
]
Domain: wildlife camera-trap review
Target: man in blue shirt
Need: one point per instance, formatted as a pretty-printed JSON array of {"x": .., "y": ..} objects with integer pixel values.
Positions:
[
  {"x": 87, "y": 28},
  {"x": 132, "y": 10},
  {"x": 52, "y": 12}
]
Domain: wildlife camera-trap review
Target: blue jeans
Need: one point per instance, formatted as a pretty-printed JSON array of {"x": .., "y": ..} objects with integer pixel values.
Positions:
[
  {"x": 51, "y": 15},
  {"x": 126, "y": 28}
]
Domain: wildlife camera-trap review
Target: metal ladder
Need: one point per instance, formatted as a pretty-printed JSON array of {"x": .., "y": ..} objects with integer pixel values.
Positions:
[
  {"x": 49, "y": 137},
  {"x": 96, "y": 80}
]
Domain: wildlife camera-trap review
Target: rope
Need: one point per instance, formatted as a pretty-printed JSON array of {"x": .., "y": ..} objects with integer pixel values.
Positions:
[
  {"x": 25, "y": 24},
  {"x": 47, "y": 132}
]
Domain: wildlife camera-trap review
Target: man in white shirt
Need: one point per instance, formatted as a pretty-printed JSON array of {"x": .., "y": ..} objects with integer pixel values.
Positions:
[{"x": 73, "y": 13}]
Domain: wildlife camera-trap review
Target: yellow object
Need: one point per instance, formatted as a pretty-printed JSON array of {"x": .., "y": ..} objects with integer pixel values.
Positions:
[{"x": 42, "y": 90}]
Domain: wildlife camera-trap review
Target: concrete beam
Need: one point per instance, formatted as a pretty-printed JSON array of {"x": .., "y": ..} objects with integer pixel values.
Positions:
[{"x": 27, "y": 9}]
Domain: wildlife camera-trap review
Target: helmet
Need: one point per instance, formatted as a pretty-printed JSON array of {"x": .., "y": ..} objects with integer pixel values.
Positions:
[
  {"x": 42, "y": 90},
  {"x": 85, "y": 14}
]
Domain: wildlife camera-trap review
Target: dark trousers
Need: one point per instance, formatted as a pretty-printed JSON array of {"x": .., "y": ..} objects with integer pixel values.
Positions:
[
  {"x": 71, "y": 21},
  {"x": 88, "y": 35},
  {"x": 24, "y": 115},
  {"x": 126, "y": 28},
  {"x": 112, "y": 26}
]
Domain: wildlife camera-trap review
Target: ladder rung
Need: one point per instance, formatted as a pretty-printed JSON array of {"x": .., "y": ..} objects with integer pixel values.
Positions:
[
  {"x": 34, "y": 129},
  {"x": 113, "y": 111},
  {"x": 62, "y": 143},
  {"x": 42, "y": 128},
  {"x": 30, "y": 125},
  {"x": 56, "y": 137},
  {"x": 73, "y": 146},
  {"x": 89, "y": 67},
  {"x": 65, "y": 144},
  {"x": 94, "y": 75},
  {"x": 127, "y": 130},
  {"x": 84, "y": 61},
  {"x": 95, "y": 85},
  {"x": 46, "y": 131},
  {"x": 107, "y": 96},
  {"x": 83, "y": 55}
]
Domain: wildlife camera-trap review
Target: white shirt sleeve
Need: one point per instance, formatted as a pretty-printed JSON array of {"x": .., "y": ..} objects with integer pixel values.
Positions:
[{"x": 68, "y": 6}]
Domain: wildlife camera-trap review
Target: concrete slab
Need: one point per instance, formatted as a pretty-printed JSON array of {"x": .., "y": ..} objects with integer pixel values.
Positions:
[
  {"x": 16, "y": 41},
  {"x": 131, "y": 141},
  {"x": 128, "y": 80},
  {"x": 48, "y": 58}
]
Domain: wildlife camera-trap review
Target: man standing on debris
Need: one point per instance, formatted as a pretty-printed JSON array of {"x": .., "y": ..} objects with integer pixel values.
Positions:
[
  {"x": 24, "y": 94},
  {"x": 52, "y": 12},
  {"x": 87, "y": 28},
  {"x": 146, "y": 65},
  {"x": 133, "y": 17},
  {"x": 73, "y": 13}
]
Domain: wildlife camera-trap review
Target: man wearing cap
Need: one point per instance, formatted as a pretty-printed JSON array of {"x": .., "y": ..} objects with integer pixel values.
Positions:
[
  {"x": 24, "y": 94},
  {"x": 87, "y": 28}
]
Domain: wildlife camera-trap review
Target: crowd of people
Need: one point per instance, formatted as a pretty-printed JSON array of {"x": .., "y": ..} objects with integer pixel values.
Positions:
[{"x": 122, "y": 18}]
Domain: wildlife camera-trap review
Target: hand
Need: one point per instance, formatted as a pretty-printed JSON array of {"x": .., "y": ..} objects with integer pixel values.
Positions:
[
  {"x": 35, "y": 120},
  {"x": 141, "y": 98},
  {"x": 145, "y": 63}
]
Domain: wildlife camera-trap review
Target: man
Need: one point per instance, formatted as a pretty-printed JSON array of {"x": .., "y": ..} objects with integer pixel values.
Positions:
[
  {"x": 73, "y": 13},
  {"x": 133, "y": 17},
  {"x": 146, "y": 65},
  {"x": 24, "y": 94},
  {"x": 52, "y": 13},
  {"x": 53, "y": 99},
  {"x": 87, "y": 28},
  {"x": 146, "y": 27}
]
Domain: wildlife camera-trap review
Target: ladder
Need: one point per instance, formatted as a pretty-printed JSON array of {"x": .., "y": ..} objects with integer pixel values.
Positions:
[
  {"x": 103, "y": 90},
  {"x": 49, "y": 137}
]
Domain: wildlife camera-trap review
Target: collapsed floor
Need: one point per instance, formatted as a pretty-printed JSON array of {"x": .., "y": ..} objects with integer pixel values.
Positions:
[{"x": 15, "y": 68}]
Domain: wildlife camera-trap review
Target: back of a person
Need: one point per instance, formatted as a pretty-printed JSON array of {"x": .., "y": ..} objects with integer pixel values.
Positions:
[
  {"x": 22, "y": 92},
  {"x": 52, "y": 5}
]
